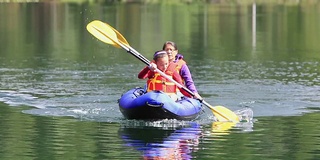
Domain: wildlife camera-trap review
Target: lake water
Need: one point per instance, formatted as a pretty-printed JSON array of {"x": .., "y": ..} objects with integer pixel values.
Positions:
[{"x": 60, "y": 85}]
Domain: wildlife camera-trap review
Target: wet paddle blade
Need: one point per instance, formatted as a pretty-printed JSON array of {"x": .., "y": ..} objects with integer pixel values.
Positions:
[
  {"x": 103, "y": 32},
  {"x": 224, "y": 114}
]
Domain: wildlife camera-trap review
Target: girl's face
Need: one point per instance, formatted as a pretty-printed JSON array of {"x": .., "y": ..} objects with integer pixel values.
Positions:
[
  {"x": 162, "y": 63},
  {"x": 171, "y": 51}
]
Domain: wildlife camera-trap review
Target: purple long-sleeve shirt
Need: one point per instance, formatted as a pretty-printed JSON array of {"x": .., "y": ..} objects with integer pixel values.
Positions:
[{"x": 186, "y": 75}]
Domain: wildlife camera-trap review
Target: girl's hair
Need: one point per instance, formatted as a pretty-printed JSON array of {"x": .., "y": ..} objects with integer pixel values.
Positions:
[
  {"x": 159, "y": 54},
  {"x": 171, "y": 43}
]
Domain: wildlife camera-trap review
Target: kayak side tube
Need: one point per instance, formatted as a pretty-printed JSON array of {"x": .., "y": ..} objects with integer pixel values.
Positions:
[{"x": 136, "y": 104}]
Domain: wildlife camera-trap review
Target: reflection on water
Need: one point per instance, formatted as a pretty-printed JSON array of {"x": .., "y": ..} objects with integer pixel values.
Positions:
[
  {"x": 155, "y": 143},
  {"x": 171, "y": 139}
]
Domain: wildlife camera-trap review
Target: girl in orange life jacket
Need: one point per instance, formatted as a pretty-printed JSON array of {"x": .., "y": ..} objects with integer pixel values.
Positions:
[
  {"x": 181, "y": 66},
  {"x": 158, "y": 82}
]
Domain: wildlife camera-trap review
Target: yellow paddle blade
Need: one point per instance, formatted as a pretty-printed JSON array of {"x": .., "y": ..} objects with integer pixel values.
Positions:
[
  {"x": 224, "y": 114},
  {"x": 119, "y": 36},
  {"x": 103, "y": 32}
]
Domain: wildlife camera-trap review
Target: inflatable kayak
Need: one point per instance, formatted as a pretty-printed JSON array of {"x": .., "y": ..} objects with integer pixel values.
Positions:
[{"x": 136, "y": 104}]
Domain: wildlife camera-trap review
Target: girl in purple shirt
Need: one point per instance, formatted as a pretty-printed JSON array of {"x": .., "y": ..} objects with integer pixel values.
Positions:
[{"x": 184, "y": 71}]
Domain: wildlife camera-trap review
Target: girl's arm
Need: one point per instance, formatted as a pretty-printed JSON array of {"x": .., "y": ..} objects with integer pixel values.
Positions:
[
  {"x": 187, "y": 77},
  {"x": 178, "y": 79},
  {"x": 144, "y": 73}
]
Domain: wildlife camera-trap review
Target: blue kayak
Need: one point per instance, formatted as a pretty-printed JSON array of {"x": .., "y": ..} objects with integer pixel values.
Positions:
[{"x": 136, "y": 104}]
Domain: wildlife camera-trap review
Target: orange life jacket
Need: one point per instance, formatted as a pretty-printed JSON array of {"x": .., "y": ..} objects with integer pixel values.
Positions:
[
  {"x": 157, "y": 82},
  {"x": 180, "y": 63}
]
